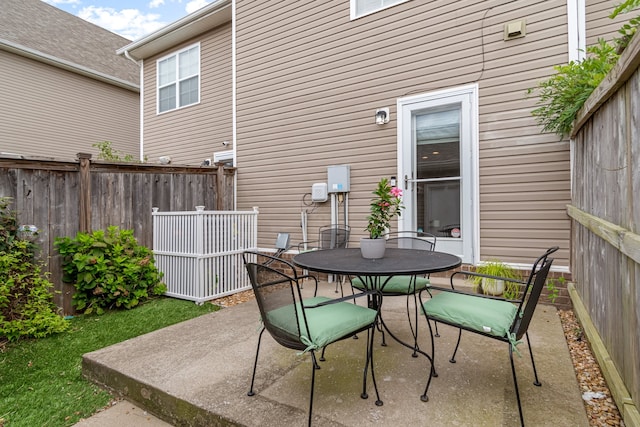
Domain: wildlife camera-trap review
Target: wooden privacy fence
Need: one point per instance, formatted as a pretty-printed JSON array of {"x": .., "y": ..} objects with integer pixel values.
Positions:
[
  {"x": 200, "y": 253},
  {"x": 62, "y": 198},
  {"x": 605, "y": 214}
]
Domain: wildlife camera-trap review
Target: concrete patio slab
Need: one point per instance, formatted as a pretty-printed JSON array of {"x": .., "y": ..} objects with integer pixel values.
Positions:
[{"x": 197, "y": 373}]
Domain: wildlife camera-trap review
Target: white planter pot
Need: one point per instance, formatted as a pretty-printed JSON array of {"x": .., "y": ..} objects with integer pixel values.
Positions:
[
  {"x": 372, "y": 248},
  {"x": 492, "y": 286}
]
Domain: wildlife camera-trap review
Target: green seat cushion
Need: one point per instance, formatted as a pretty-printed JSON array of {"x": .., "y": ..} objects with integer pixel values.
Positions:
[
  {"x": 396, "y": 284},
  {"x": 327, "y": 323},
  {"x": 493, "y": 317}
]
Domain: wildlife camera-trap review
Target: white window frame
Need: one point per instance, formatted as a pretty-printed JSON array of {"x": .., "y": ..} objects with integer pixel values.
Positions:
[
  {"x": 354, "y": 8},
  {"x": 178, "y": 79}
]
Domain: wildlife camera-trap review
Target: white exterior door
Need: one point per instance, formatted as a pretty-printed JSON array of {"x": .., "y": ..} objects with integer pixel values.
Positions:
[{"x": 438, "y": 168}]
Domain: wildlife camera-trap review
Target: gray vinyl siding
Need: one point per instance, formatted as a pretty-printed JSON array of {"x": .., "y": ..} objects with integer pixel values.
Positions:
[
  {"x": 50, "y": 112},
  {"x": 310, "y": 80},
  {"x": 191, "y": 134}
]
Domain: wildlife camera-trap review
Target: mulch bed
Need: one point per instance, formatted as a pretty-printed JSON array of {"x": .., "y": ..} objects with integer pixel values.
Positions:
[{"x": 599, "y": 405}]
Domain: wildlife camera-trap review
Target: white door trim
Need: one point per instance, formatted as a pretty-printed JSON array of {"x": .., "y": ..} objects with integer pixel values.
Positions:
[{"x": 470, "y": 161}]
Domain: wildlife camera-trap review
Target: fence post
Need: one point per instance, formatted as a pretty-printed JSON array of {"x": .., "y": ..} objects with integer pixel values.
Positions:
[
  {"x": 85, "y": 193},
  {"x": 220, "y": 190}
]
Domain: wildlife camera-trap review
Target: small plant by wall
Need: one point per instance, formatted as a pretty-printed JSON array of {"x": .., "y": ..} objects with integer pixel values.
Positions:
[
  {"x": 26, "y": 301},
  {"x": 109, "y": 270}
]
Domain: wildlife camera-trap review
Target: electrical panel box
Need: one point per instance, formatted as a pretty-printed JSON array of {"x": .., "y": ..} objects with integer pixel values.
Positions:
[
  {"x": 338, "y": 178},
  {"x": 319, "y": 192}
]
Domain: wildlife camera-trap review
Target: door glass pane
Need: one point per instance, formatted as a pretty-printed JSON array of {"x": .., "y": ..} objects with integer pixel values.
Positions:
[
  {"x": 437, "y": 139},
  {"x": 438, "y": 143}
]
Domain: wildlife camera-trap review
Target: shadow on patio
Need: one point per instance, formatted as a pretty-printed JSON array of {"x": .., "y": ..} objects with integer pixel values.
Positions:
[{"x": 198, "y": 372}]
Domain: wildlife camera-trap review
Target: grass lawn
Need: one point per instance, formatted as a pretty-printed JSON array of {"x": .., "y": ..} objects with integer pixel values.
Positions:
[{"x": 41, "y": 383}]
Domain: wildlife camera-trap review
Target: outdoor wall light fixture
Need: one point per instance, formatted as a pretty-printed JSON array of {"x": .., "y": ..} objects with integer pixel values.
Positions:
[{"x": 382, "y": 116}]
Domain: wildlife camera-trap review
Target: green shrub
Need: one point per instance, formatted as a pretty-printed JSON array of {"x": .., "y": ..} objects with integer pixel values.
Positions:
[
  {"x": 109, "y": 270},
  {"x": 564, "y": 93},
  {"x": 26, "y": 299},
  {"x": 8, "y": 225}
]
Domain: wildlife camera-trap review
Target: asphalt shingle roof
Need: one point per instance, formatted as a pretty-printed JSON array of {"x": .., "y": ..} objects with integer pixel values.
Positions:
[{"x": 39, "y": 26}]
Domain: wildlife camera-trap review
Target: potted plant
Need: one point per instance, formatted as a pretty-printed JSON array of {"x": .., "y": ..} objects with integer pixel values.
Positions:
[
  {"x": 488, "y": 286},
  {"x": 384, "y": 206}
]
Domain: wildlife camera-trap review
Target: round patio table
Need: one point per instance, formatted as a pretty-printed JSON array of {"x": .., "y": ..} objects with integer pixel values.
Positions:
[
  {"x": 396, "y": 261},
  {"x": 375, "y": 273}
]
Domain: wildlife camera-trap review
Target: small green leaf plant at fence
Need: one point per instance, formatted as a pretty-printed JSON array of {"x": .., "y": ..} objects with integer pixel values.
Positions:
[
  {"x": 552, "y": 288},
  {"x": 110, "y": 154},
  {"x": 26, "y": 298},
  {"x": 109, "y": 270}
]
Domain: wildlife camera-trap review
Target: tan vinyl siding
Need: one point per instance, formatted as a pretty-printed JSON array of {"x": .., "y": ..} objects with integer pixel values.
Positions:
[
  {"x": 599, "y": 25},
  {"x": 309, "y": 81},
  {"x": 47, "y": 111},
  {"x": 191, "y": 134}
]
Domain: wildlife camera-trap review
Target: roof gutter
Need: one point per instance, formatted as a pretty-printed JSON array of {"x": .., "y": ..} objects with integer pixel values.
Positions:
[
  {"x": 180, "y": 24},
  {"x": 66, "y": 65}
]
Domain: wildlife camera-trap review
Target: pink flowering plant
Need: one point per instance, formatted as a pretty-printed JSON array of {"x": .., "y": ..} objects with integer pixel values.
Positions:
[{"x": 384, "y": 206}]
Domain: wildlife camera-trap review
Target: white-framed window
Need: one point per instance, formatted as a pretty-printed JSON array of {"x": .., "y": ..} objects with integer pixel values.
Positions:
[
  {"x": 365, "y": 7},
  {"x": 178, "y": 79}
]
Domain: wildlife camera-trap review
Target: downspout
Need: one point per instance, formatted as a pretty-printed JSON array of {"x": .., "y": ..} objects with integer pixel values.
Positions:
[
  {"x": 234, "y": 101},
  {"x": 140, "y": 64}
]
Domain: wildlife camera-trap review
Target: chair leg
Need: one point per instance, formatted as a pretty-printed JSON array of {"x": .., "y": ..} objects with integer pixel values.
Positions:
[
  {"x": 535, "y": 372},
  {"x": 313, "y": 381},
  {"x": 433, "y": 351},
  {"x": 432, "y": 371},
  {"x": 515, "y": 383},
  {"x": 322, "y": 359},
  {"x": 364, "y": 395},
  {"x": 414, "y": 330},
  {"x": 453, "y": 356},
  {"x": 255, "y": 364}
]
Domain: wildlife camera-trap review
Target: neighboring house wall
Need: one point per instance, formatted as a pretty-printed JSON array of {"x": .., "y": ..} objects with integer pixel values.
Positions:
[
  {"x": 310, "y": 80},
  {"x": 191, "y": 134},
  {"x": 51, "y": 112}
]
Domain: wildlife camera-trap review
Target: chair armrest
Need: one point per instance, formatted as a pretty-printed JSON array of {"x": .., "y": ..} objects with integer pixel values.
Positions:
[
  {"x": 473, "y": 294},
  {"x": 376, "y": 293},
  {"x": 487, "y": 276}
]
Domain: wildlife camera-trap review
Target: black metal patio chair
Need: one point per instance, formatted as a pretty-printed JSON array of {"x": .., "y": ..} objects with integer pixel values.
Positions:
[
  {"x": 333, "y": 236},
  {"x": 407, "y": 286},
  {"x": 306, "y": 324},
  {"x": 493, "y": 317}
]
